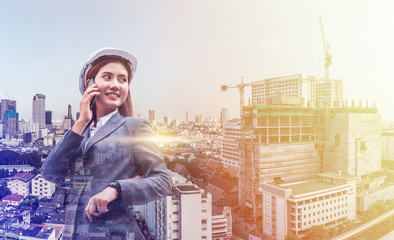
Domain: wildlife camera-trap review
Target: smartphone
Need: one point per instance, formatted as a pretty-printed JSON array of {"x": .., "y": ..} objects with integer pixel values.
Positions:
[{"x": 94, "y": 97}]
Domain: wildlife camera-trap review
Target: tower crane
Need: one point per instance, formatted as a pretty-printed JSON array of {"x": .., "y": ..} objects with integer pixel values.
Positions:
[
  {"x": 328, "y": 56},
  {"x": 8, "y": 95},
  {"x": 241, "y": 89}
]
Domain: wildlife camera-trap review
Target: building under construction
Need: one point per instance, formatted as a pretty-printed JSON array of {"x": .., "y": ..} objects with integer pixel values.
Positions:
[{"x": 291, "y": 142}]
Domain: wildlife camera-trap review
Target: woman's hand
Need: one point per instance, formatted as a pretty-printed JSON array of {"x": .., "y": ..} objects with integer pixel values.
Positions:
[
  {"x": 100, "y": 201},
  {"x": 86, "y": 113}
]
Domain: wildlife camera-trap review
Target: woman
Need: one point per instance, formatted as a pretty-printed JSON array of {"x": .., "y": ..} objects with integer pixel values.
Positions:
[{"x": 109, "y": 154}]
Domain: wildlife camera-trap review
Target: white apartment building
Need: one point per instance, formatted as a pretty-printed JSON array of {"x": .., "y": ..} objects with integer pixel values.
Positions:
[
  {"x": 221, "y": 223},
  {"x": 20, "y": 183},
  {"x": 42, "y": 188},
  {"x": 187, "y": 214},
  {"x": 293, "y": 208},
  {"x": 184, "y": 214},
  {"x": 314, "y": 92},
  {"x": 230, "y": 145},
  {"x": 27, "y": 127}
]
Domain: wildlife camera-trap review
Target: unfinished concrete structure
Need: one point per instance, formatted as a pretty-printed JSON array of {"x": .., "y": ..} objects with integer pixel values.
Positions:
[
  {"x": 313, "y": 92},
  {"x": 293, "y": 143}
]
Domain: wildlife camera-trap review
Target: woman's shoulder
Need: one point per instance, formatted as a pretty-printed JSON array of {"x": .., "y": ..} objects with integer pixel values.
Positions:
[
  {"x": 137, "y": 123},
  {"x": 136, "y": 120}
]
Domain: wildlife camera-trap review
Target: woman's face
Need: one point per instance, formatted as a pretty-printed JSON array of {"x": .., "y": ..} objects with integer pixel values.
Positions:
[{"x": 112, "y": 82}]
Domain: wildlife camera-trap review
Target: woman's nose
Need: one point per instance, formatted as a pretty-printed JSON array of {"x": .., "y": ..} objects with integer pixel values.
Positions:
[{"x": 114, "y": 84}]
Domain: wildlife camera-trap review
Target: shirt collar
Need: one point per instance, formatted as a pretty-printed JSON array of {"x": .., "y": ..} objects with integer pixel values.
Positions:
[{"x": 102, "y": 120}]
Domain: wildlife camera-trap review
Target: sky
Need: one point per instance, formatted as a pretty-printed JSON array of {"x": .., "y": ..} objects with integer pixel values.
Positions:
[{"x": 187, "y": 49}]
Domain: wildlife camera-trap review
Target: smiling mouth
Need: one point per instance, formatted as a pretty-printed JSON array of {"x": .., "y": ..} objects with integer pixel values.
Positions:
[{"x": 112, "y": 94}]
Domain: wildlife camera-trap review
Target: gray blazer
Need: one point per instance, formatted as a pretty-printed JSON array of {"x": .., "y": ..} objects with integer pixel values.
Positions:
[{"x": 121, "y": 150}]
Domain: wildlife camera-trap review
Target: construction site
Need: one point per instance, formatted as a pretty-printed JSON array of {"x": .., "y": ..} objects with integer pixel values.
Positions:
[{"x": 298, "y": 133}]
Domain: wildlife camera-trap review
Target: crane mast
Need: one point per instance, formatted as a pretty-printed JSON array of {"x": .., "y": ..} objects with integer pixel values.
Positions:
[
  {"x": 241, "y": 88},
  {"x": 328, "y": 56}
]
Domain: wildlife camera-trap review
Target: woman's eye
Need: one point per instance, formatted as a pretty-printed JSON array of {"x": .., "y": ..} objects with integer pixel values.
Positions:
[
  {"x": 107, "y": 77},
  {"x": 123, "y": 79}
]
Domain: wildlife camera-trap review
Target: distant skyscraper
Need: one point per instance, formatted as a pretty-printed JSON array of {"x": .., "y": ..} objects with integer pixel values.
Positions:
[
  {"x": 198, "y": 119},
  {"x": 165, "y": 120},
  {"x": 174, "y": 123},
  {"x": 39, "y": 110},
  {"x": 187, "y": 117},
  {"x": 11, "y": 123},
  {"x": 69, "y": 114},
  {"x": 152, "y": 115},
  {"x": 48, "y": 119},
  {"x": 224, "y": 115},
  {"x": 6, "y": 105},
  {"x": 68, "y": 120},
  {"x": 3, "y": 107}
]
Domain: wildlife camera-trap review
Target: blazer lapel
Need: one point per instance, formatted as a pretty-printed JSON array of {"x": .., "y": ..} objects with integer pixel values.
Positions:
[
  {"x": 85, "y": 135},
  {"x": 111, "y": 125}
]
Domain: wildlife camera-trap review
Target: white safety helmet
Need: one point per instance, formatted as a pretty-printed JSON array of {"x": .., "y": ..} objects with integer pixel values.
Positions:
[{"x": 108, "y": 51}]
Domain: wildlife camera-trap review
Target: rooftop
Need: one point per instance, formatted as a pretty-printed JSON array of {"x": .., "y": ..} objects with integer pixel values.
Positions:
[
  {"x": 336, "y": 175},
  {"x": 25, "y": 176},
  {"x": 187, "y": 187},
  {"x": 13, "y": 197},
  {"x": 309, "y": 187}
]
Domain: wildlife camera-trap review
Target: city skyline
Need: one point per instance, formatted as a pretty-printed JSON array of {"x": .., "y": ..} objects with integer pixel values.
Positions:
[{"x": 186, "y": 51}]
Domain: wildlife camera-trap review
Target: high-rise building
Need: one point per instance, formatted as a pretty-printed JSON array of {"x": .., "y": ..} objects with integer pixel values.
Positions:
[
  {"x": 280, "y": 146},
  {"x": 174, "y": 123},
  {"x": 187, "y": 117},
  {"x": 4, "y": 104},
  {"x": 165, "y": 120},
  {"x": 39, "y": 110},
  {"x": 48, "y": 119},
  {"x": 151, "y": 116},
  {"x": 68, "y": 121},
  {"x": 223, "y": 115},
  {"x": 11, "y": 123},
  {"x": 69, "y": 114},
  {"x": 198, "y": 119},
  {"x": 354, "y": 143},
  {"x": 230, "y": 145},
  {"x": 1, "y": 130},
  {"x": 330, "y": 91},
  {"x": 313, "y": 92},
  {"x": 185, "y": 214}
]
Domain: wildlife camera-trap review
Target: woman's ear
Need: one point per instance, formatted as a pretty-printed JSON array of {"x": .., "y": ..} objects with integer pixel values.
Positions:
[{"x": 87, "y": 83}]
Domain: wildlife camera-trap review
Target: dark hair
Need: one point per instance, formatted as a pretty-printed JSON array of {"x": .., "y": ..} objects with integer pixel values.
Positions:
[{"x": 126, "y": 109}]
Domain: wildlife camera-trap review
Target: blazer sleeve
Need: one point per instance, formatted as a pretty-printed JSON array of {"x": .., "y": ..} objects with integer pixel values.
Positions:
[
  {"x": 156, "y": 180},
  {"x": 58, "y": 162}
]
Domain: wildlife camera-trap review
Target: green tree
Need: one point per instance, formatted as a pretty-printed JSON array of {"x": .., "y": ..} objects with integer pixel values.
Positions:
[
  {"x": 31, "y": 201},
  {"x": 8, "y": 157},
  {"x": 317, "y": 232},
  {"x": 38, "y": 219},
  {"x": 33, "y": 159},
  {"x": 292, "y": 237},
  {"x": 44, "y": 199},
  {"x": 4, "y": 191}
]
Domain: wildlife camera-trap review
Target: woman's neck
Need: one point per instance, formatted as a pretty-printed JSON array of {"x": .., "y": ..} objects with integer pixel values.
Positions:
[{"x": 100, "y": 114}]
